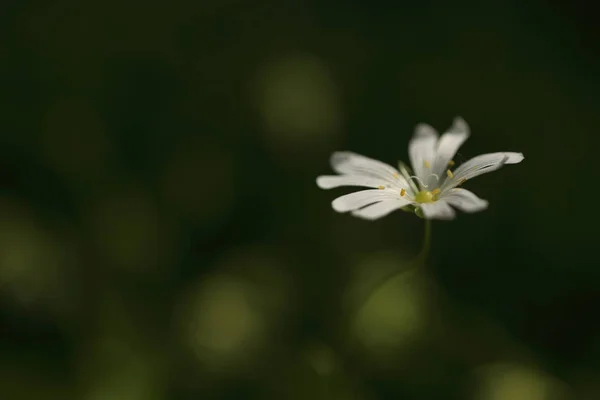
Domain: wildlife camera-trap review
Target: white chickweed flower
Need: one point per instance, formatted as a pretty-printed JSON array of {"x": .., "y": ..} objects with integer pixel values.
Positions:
[{"x": 432, "y": 189}]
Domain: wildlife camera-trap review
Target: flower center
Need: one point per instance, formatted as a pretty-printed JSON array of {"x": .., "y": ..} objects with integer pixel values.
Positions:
[{"x": 426, "y": 196}]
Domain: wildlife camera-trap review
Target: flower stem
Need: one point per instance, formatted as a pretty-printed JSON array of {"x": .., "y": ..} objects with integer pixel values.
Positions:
[
  {"x": 422, "y": 257},
  {"x": 418, "y": 260}
]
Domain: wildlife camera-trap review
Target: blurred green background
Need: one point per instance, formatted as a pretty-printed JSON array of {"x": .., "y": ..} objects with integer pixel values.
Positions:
[{"x": 162, "y": 235}]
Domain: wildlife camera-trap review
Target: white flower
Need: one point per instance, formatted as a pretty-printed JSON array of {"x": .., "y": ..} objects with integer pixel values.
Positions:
[{"x": 432, "y": 190}]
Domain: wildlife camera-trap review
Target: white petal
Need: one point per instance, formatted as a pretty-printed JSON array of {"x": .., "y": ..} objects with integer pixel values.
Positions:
[
  {"x": 346, "y": 162},
  {"x": 449, "y": 144},
  {"x": 333, "y": 181},
  {"x": 513, "y": 158},
  {"x": 437, "y": 210},
  {"x": 356, "y": 200},
  {"x": 381, "y": 209},
  {"x": 421, "y": 150},
  {"x": 405, "y": 173},
  {"x": 481, "y": 165},
  {"x": 465, "y": 200}
]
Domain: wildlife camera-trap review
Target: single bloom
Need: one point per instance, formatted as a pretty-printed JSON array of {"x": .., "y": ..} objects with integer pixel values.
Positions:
[{"x": 431, "y": 189}]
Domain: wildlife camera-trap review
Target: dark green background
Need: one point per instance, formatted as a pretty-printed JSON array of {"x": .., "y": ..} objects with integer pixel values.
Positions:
[{"x": 162, "y": 236}]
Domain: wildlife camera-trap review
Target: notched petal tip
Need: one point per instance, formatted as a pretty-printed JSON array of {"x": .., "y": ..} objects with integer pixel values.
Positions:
[
  {"x": 460, "y": 125},
  {"x": 339, "y": 206},
  {"x": 482, "y": 205},
  {"x": 424, "y": 131},
  {"x": 322, "y": 182},
  {"x": 338, "y": 157},
  {"x": 514, "y": 158}
]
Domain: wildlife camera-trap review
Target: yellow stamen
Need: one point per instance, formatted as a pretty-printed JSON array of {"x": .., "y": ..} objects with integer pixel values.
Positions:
[
  {"x": 449, "y": 173},
  {"x": 426, "y": 164},
  {"x": 402, "y": 192},
  {"x": 381, "y": 187},
  {"x": 435, "y": 192},
  {"x": 451, "y": 163}
]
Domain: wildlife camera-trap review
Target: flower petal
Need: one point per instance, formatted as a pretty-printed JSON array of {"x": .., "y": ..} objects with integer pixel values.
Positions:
[
  {"x": 346, "y": 162},
  {"x": 421, "y": 150},
  {"x": 333, "y": 181},
  {"x": 480, "y": 165},
  {"x": 356, "y": 200},
  {"x": 406, "y": 174},
  {"x": 513, "y": 158},
  {"x": 438, "y": 210},
  {"x": 465, "y": 200},
  {"x": 381, "y": 209},
  {"x": 449, "y": 144}
]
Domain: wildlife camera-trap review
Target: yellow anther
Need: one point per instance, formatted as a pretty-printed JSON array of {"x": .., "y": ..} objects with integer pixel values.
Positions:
[
  {"x": 402, "y": 192},
  {"x": 463, "y": 180},
  {"x": 449, "y": 173},
  {"x": 381, "y": 187},
  {"x": 451, "y": 163},
  {"x": 435, "y": 192},
  {"x": 426, "y": 164}
]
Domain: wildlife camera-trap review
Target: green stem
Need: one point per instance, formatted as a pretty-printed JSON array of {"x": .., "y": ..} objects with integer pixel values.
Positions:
[
  {"x": 422, "y": 257},
  {"x": 418, "y": 260}
]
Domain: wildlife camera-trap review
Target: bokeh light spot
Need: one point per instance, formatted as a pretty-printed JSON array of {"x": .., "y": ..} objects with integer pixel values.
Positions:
[
  {"x": 32, "y": 259},
  {"x": 503, "y": 381},
  {"x": 322, "y": 358},
  {"x": 298, "y": 101},
  {"x": 222, "y": 324},
  {"x": 396, "y": 312}
]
